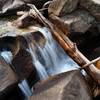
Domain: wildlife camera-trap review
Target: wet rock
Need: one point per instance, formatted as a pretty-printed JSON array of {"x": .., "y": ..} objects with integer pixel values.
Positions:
[
  {"x": 66, "y": 86},
  {"x": 8, "y": 79},
  {"x": 23, "y": 65},
  {"x": 10, "y": 7},
  {"x": 9, "y": 43},
  {"x": 59, "y": 7},
  {"x": 93, "y": 6},
  {"x": 79, "y": 21}
]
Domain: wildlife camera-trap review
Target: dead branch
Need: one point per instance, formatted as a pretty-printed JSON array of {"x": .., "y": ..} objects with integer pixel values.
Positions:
[
  {"x": 92, "y": 62},
  {"x": 67, "y": 44}
]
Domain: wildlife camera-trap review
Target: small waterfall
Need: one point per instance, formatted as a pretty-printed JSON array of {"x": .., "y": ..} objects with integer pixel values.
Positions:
[
  {"x": 39, "y": 67},
  {"x": 25, "y": 88},
  {"x": 7, "y": 55},
  {"x": 23, "y": 85},
  {"x": 50, "y": 59}
]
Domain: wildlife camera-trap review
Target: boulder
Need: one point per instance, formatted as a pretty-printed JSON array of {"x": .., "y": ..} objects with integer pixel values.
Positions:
[
  {"x": 79, "y": 21},
  {"x": 93, "y": 6},
  {"x": 8, "y": 79},
  {"x": 23, "y": 65},
  {"x": 66, "y": 86},
  {"x": 62, "y": 7},
  {"x": 11, "y": 6}
]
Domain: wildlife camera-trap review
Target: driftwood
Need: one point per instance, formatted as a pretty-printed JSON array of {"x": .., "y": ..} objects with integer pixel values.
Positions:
[
  {"x": 67, "y": 44},
  {"x": 92, "y": 62}
]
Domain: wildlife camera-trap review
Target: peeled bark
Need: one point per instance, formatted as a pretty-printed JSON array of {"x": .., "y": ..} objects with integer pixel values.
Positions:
[
  {"x": 93, "y": 6},
  {"x": 62, "y": 7}
]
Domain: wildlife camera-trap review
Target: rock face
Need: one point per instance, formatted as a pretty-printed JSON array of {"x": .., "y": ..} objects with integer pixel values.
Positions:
[
  {"x": 67, "y": 86},
  {"x": 23, "y": 66},
  {"x": 79, "y": 20},
  {"x": 8, "y": 79},
  {"x": 93, "y": 6},
  {"x": 62, "y": 7},
  {"x": 10, "y": 6}
]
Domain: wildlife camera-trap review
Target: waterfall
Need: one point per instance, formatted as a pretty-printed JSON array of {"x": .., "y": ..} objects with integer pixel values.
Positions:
[
  {"x": 23, "y": 85},
  {"x": 50, "y": 59},
  {"x": 25, "y": 88},
  {"x": 7, "y": 55}
]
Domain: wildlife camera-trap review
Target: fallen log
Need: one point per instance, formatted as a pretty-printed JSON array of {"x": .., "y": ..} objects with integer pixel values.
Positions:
[{"x": 67, "y": 44}]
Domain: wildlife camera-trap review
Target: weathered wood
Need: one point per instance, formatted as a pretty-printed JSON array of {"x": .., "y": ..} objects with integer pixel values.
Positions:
[
  {"x": 8, "y": 79},
  {"x": 62, "y": 7},
  {"x": 67, "y": 45},
  {"x": 67, "y": 86},
  {"x": 92, "y": 62},
  {"x": 93, "y": 6}
]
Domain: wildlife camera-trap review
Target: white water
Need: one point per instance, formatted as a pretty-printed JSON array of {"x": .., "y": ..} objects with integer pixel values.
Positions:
[
  {"x": 25, "y": 88},
  {"x": 7, "y": 55},
  {"x": 54, "y": 59}
]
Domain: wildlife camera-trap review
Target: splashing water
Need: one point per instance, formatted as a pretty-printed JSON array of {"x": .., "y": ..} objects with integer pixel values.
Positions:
[
  {"x": 54, "y": 59},
  {"x": 25, "y": 88},
  {"x": 7, "y": 55}
]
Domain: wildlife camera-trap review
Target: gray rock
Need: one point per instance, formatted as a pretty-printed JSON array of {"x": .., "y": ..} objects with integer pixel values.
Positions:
[
  {"x": 93, "y": 6},
  {"x": 66, "y": 86},
  {"x": 79, "y": 21},
  {"x": 62, "y": 7}
]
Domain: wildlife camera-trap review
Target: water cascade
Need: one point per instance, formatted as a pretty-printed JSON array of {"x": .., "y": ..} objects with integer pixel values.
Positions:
[
  {"x": 50, "y": 59},
  {"x": 23, "y": 85}
]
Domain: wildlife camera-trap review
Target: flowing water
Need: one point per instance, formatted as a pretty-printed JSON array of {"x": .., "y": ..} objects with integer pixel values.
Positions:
[
  {"x": 23, "y": 85},
  {"x": 50, "y": 59}
]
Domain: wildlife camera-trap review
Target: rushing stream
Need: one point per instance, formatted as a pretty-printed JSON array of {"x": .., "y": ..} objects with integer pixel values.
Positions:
[{"x": 48, "y": 60}]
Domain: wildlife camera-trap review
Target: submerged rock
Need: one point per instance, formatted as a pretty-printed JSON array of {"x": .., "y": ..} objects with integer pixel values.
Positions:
[
  {"x": 79, "y": 21},
  {"x": 66, "y": 86},
  {"x": 59, "y": 7},
  {"x": 93, "y": 6}
]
